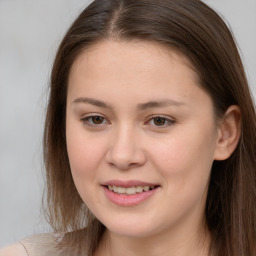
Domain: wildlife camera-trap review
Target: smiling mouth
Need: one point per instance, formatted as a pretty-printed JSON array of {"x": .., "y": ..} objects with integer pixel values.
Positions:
[{"x": 130, "y": 190}]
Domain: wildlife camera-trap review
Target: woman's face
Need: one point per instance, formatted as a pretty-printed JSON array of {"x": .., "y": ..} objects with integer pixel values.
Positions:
[{"x": 138, "y": 123}]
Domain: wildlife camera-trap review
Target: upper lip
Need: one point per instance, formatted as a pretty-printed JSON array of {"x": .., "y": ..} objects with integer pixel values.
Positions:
[{"x": 128, "y": 183}]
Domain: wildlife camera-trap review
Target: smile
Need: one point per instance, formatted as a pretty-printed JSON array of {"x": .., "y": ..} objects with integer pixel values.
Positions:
[
  {"x": 129, "y": 193},
  {"x": 130, "y": 190}
]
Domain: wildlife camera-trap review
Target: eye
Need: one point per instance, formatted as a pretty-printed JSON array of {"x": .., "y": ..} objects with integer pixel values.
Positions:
[
  {"x": 94, "y": 120},
  {"x": 160, "y": 121}
]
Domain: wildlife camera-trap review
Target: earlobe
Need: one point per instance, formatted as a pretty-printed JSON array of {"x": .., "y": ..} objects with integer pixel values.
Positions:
[{"x": 229, "y": 131}]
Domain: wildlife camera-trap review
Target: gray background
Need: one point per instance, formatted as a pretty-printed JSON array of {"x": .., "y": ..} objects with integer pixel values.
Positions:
[{"x": 30, "y": 31}]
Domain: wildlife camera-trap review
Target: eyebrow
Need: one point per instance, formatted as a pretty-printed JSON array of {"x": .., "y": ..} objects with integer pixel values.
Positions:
[
  {"x": 161, "y": 103},
  {"x": 92, "y": 101},
  {"x": 141, "y": 107}
]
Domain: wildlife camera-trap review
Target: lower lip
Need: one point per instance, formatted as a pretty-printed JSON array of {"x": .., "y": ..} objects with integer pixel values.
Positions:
[{"x": 128, "y": 200}]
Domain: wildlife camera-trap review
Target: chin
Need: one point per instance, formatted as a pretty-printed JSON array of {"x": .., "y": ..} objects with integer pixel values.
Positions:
[{"x": 132, "y": 229}]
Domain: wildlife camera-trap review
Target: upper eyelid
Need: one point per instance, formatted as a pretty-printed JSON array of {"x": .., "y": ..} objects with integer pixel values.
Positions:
[
  {"x": 92, "y": 115},
  {"x": 170, "y": 120},
  {"x": 85, "y": 116},
  {"x": 161, "y": 116}
]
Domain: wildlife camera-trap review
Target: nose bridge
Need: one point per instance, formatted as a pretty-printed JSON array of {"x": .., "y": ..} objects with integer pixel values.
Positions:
[{"x": 126, "y": 149}]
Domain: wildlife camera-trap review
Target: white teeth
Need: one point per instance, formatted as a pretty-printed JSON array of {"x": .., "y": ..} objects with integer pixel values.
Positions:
[
  {"x": 139, "y": 189},
  {"x": 121, "y": 190},
  {"x": 130, "y": 190},
  {"x": 146, "y": 188}
]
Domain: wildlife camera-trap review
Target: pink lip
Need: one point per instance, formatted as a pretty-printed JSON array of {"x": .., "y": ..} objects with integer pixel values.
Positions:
[
  {"x": 128, "y": 200},
  {"x": 128, "y": 183}
]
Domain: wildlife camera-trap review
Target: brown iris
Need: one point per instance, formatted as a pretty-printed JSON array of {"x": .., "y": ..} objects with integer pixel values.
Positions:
[
  {"x": 97, "y": 119},
  {"x": 159, "y": 121}
]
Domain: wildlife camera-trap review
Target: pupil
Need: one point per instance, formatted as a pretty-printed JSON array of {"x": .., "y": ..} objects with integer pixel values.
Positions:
[
  {"x": 97, "y": 119},
  {"x": 159, "y": 121}
]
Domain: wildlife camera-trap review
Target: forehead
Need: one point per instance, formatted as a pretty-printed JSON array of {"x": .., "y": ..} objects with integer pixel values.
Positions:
[
  {"x": 128, "y": 74},
  {"x": 143, "y": 71},
  {"x": 133, "y": 56}
]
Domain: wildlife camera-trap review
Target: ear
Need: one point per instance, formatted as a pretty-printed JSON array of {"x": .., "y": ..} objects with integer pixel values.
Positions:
[{"x": 229, "y": 131}]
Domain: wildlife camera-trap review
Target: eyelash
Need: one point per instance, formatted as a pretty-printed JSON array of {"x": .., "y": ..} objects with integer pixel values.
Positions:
[
  {"x": 167, "y": 121},
  {"x": 88, "y": 120}
]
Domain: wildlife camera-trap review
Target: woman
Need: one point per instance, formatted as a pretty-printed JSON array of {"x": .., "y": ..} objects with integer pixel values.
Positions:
[{"x": 149, "y": 136}]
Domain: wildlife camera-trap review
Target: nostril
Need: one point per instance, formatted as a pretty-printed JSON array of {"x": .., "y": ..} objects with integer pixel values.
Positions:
[{"x": 125, "y": 159}]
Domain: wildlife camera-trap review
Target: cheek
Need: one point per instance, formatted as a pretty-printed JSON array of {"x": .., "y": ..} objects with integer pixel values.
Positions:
[
  {"x": 185, "y": 168},
  {"x": 185, "y": 159},
  {"x": 84, "y": 152},
  {"x": 84, "y": 158}
]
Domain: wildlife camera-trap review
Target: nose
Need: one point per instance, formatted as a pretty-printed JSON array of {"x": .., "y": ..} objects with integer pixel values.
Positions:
[{"x": 125, "y": 150}]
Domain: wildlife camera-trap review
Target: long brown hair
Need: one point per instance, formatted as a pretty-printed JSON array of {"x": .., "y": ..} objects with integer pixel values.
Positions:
[{"x": 198, "y": 32}]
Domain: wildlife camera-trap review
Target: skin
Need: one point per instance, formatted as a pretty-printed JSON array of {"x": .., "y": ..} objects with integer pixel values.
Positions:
[
  {"x": 13, "y": 250},
  {"x": 128, "y": 142}
]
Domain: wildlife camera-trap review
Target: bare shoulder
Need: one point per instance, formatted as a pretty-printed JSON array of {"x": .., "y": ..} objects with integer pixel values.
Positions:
[{"x": 13, "y": 250}]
